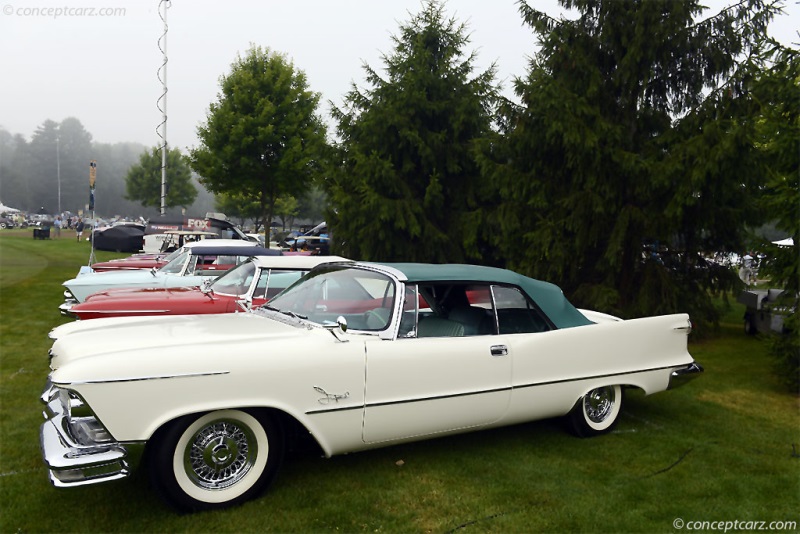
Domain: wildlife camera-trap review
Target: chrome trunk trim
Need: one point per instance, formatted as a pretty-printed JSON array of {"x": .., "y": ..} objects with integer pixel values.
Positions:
[{"x": 682, "y": 376}]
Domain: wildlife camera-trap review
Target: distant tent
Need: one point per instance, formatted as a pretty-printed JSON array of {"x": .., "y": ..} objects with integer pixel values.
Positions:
[
  {"x": 7, "y": 209},
  {"x": 122, "y": 238}
]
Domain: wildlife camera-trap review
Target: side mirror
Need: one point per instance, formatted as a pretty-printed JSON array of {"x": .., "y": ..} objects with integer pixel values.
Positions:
[
  {"x": 339, "y": 328},
  {"x": 246, "y": 304},
  {"x": 206, "y": 288}
]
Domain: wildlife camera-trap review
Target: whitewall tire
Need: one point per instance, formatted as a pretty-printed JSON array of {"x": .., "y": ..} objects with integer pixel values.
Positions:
[
  {"x": 597, "y": 412},
  {"x": 216, "y": 459}
]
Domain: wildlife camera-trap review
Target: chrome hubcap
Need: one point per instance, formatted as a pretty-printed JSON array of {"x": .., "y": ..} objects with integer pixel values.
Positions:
[
  {"x": 220, "y": 454},
  {"x": 598, "y": 404}
]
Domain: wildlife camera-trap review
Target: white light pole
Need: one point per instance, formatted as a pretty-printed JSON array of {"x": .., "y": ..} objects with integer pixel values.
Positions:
[
  {"x": 58, "y": 171},
  {"x": 162, "y": 105}
]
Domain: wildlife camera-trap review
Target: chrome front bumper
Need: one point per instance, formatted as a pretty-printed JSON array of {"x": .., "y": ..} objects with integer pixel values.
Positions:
[
  {"x": 682, "y": 376},
  {"x": 76, "y": 460},
  {"x": 69, "y": 302}
]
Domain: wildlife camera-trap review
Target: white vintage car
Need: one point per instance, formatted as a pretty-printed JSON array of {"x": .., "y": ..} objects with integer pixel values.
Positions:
[
  {"x": 192, "y": 266},
  {"x": 358, "y": 355}
]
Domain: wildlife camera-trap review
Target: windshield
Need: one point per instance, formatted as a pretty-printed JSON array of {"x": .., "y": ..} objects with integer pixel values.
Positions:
[
  {"x": 237, "y": 281},
  {"x": 175, "y": 266},
  {"x": 364, "y": 298},
  {"x": 171, "y": 256}
]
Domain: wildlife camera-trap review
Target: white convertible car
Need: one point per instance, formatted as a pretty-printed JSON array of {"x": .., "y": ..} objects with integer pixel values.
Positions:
[{"x": 357, "y": 355}]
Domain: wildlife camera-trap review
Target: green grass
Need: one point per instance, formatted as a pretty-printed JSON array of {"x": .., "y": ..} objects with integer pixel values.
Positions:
[{"x": 725, "y": 447}]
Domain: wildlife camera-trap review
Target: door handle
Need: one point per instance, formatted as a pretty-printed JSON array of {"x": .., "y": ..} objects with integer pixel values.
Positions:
[{"x": 499, "y": 350}]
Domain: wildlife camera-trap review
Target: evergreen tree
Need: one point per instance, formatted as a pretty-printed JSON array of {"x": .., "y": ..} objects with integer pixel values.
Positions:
[
  {"x": 42, "y": 170},
  {"x": 777, "y": 92},
  {"x": 313, "y": 205},
  {"x": 406, "y": 185},
  {"x": 626, "y": 162},
  {"x": 75, "y": 154},
  {"x": 14, "y": 163}
]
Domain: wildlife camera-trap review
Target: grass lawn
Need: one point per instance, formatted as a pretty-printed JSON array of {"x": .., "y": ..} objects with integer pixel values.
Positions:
[{"x": 726, "y": 447}]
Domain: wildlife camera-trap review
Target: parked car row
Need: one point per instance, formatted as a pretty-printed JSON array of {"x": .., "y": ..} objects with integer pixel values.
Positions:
[{"x": 217, "y": 378}]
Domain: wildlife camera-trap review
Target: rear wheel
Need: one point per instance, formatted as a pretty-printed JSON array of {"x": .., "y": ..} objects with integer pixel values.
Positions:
[
  {"x": 597, "y": 412},
  {"x": 215, "y": 460}
]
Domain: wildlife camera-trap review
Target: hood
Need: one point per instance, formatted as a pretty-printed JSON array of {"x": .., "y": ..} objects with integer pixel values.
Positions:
[
  {"x": 129, "y": 263},
  {"x": 140, "y": 294},
  {"x": 111, "y": 278},
  {"x": 149, "y": 301},
  {"x": 84, "y": 285},
  {"x": 124, "y": 349}
]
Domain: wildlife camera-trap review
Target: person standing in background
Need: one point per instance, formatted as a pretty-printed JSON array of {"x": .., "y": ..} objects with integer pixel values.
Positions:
[{"x": 79, "y": 229}]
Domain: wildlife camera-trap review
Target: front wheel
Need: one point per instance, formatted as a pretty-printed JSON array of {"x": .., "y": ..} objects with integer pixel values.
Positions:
[
  {"x": 215, "y": 460},
  {"x": 597, "y": 412}
]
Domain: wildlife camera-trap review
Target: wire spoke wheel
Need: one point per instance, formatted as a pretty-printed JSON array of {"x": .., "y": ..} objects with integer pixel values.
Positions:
[
  {"x": 215, "y": 460},
  {"x": 597, "y": 412},
  {"x": 220, "y": 454}
]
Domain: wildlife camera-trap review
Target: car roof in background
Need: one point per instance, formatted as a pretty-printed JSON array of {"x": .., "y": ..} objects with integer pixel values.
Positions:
[
  {"x": 190, "y": 233},
  {"x": 234, "y": 250},
  {"x": 219, "y": 243},
  {"x": 296, "y": 262}
]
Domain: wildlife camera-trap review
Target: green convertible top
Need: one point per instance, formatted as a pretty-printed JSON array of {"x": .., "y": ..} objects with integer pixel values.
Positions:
[{"x": 548, "y": 296}]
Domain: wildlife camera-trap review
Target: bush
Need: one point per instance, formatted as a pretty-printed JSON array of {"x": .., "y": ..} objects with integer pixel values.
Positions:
[{"x": 785, "y": 349}]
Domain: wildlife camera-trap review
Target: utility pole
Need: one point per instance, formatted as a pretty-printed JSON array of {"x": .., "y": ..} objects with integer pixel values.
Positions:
[{"x": 58, "y": 171}]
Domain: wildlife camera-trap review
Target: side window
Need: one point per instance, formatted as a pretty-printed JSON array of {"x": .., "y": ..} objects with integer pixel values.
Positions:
[
  {"x": 270, "y": 284},
  {"x": 262, "y": 283},
  {"x": 473, "y": 309},
  {"x": 454, "y": 309},
  {"x": 408, "y": 319},
  {"x": 515, "y": 314}
]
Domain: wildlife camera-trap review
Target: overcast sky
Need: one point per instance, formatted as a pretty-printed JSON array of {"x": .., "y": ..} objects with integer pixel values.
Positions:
[{"x": 62, "y": 58}]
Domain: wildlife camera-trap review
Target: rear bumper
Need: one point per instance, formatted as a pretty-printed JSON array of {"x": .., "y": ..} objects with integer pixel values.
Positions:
[{"x": 684, "y": 375}]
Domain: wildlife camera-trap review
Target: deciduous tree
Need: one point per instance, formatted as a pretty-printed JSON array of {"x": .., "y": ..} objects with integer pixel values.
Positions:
[
  {"x": 262, "y": 138},
  {"x": 143, "y": 182}
]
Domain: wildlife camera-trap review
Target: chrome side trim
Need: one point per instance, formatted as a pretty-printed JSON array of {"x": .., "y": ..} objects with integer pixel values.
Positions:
[
  {"x": 684, "y": 370},
  {"x": 126, "y": 312},
  {"x": 687, "y": 327},
  {"x": 143, "y": 378}
]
